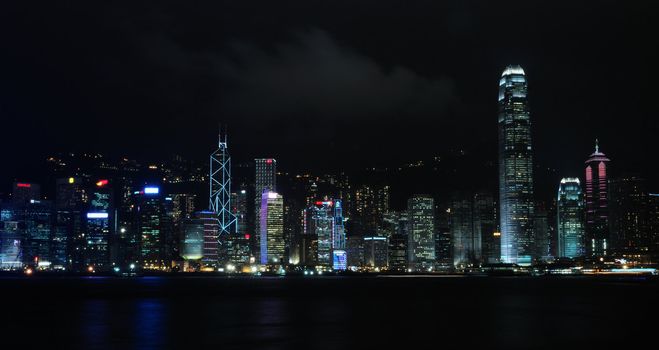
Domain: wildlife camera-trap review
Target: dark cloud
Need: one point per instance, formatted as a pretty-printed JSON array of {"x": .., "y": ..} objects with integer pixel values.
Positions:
[{"x": 313, "y": 75}]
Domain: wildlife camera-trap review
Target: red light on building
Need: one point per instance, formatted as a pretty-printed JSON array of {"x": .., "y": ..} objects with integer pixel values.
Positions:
[
  {"x": 102, "y": 183},
  {"x": 24, "y": 185},
  {"x": 247, "y": 236},
  {"x": 319, "y": 203},
  {"x": 268, "y": 161}
]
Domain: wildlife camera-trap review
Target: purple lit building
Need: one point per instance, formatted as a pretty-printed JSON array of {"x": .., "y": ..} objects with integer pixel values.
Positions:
[{"x": 597, "y": 211}]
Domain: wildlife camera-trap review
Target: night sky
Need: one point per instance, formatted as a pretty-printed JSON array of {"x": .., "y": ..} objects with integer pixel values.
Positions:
[{"x": 326, "y": 85}]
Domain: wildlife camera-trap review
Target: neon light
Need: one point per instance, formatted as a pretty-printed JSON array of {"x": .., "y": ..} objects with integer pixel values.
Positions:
[
  {"x": 151, "y": 190},
  {"x": 24, "y": 185},
  {"x": 97, "y": 215},
  {"x": 102, "y": 183}
]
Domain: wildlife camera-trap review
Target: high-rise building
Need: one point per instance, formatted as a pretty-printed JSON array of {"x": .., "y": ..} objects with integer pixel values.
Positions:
[
  {"x": 70, "y": 201},
  {"x": 421, "y": 234},
  {"x": 653, "y": 222},
  {"x": 210, "y": 255},
  {"x": 628, "y": 223},
  {"x": 375, "y": 252},
  {"x": 35, "y": 219},
  {"x": 570, "y": 216},
  {"x": 485, "y": 227},
  {"x": 238, "y": 242},
  {"x": 515, "y": 168},
  {"x": 272, "y": 228},
  {"x": 192, "y": 242},
  {"x": 154, "y": 228},
  {"x": 10, "y": 238},
  {"x": 466, "y": 246},
  {"x": 98, "y": 226},
  {"x": 220, "y": 188},
  {"x": 323, "y": 224},
  {"x": 371, "y": 203},
  {"x": 597, "y": 203},
  {"x": 265, "y": 181}
]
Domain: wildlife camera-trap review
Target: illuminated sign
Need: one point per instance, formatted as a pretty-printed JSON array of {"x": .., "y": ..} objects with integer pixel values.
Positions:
[
  {"x": 24, "y": 185},
  {"x": 102, "y": 183},
  {"x": 151, "y": 190},
  {"x": 97, "y": 215},
  {"x": 497, "y": 234},
  {"x": 339, "y": 260},
  {"x": 72, "y": 180}
]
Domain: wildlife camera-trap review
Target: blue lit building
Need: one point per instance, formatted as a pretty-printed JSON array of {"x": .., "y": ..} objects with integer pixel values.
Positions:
[
  {"x": 515, "y": 168},
  {"x": 570, "y": 215}
]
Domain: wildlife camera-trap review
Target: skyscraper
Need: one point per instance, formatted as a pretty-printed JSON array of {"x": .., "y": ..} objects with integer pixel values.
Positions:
[
  {"x": 272, "y": 228},
  {"x": 461, "y": 226},
  {"x": 211, "y": 244},
  {"x": 628, "y": 207},
  {"x": 597, "y": 203},
  {"x": 570, "y": 216},
  {"x": 421, "y": 237},
  {"x": 515, "y": 168},
  {"x": 265, "y": 180},
  {"x": 153, "y": 227},
  {"x": 220, "y": 188}
]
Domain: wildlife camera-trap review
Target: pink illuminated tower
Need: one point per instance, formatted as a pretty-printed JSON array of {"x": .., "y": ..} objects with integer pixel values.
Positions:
[{"x": 597, "y": 211}]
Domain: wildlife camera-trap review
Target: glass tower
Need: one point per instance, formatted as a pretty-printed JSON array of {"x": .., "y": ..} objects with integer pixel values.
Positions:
[
  {"x": 515, "y": 168},
  {"x": 570, "y": 215}
]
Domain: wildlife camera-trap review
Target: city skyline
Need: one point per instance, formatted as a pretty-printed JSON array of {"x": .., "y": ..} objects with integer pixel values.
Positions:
[{"x": 328, "y": 174}]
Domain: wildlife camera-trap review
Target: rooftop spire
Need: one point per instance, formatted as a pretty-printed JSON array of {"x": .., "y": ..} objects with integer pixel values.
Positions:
[{"x": 597, "y": 146}]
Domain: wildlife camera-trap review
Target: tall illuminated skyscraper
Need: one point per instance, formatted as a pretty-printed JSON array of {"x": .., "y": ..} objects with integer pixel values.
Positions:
[
  {"x": 597, "y": 203},
  {"x": 265, "y": 180},
  {"x": 515, "y": 168},
  {"x": 272, "y": 228},
  {"x": 570, "y": 215}
]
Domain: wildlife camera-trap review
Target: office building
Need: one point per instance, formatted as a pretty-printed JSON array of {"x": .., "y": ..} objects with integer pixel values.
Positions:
[
  {"x": 570, "y": 216},
  {"x": 421, "y": 234},
  {"x": 516, "y": 199},
  {"x": 272, "y": 228},
  {"x": 597, "y": 203}
]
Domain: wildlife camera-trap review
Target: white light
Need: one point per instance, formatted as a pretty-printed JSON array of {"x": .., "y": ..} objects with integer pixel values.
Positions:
[
  {"x": 272, "y": 195},
  {"x": 132, "y": 266},
  {"x": 151, "y": 190},
  {"x": 513, "y": 70},
  {"x": 97, "y": 215}
]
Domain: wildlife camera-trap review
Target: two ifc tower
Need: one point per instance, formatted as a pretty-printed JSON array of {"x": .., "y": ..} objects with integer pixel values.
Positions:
[{"x": 220, "y": 187}]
